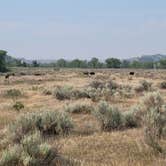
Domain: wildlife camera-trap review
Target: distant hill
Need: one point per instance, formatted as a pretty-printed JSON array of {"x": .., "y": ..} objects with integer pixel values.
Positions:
[{"x": 148, "y": 58}]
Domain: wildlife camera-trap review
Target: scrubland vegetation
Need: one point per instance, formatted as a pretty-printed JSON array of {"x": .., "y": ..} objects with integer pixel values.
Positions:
[{"x": 63, "y": 117}]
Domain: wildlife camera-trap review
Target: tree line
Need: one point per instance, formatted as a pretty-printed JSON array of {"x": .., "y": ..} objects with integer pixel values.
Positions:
[
  {"x": 77, "y": 63},
  {"x": 108, "y": 63}
]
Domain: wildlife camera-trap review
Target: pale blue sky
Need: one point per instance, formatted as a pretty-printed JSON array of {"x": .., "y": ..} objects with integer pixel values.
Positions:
[{"x": 52, "y": 29}]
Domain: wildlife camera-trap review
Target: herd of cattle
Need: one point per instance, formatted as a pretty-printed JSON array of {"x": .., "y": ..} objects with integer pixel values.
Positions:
[
  {"x": 93, "y": 73},
  {"x": 87, "y": 73}
]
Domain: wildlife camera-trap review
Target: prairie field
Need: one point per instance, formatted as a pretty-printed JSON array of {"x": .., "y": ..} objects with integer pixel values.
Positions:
[{"x": 94, "y": 138}]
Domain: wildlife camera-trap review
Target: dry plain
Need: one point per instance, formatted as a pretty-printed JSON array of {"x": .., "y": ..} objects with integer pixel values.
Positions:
[{"x": 86, "y": 143}]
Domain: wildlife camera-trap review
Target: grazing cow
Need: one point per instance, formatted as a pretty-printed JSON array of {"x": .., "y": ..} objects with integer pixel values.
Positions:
[
  {"x": 86, "y": 73},
  {"x": 131, "y": 73},
  {"x": 37, "y": 74},
  {"x": 92, "y": 73},
  {"x": 7, "y": 76}
]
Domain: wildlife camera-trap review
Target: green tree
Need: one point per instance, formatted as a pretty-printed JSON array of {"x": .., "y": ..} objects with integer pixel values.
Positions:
[
  {"x": 148, "y": 65},
  {"x": 75, "y": 63},
  {"x": 24, "y": 64},
  {"x": 35, "y": 63},
  {"x": 2, "y": 61},
  {"x": 125, "y": 64},
  {"x": 61, "y": 63},
  {"x": 136, "y": 64},
  {"x": 163, "y": 63},
  {"x": 113, "y": 63},
  {"x": 84, "y": 64},
  {"x": 94, "y": 63},
  {"x": 21, "y": 63}
]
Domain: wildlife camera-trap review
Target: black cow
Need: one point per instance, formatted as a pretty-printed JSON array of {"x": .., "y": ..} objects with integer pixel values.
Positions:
[
  {"x": 131, "y": 73},
  {"x": 8, "y": 75},
  {"x": 92, "y": 73},
  {"x": 86, "y": 73}
]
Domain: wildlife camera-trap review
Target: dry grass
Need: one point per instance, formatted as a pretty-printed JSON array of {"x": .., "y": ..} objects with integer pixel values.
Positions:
[
  {"x": 86, "y": 143},
  {"x": 116, "y": 148}
]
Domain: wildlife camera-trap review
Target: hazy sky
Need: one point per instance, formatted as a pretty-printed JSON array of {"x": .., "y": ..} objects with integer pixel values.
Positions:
[{"x": 52, "y": 29}]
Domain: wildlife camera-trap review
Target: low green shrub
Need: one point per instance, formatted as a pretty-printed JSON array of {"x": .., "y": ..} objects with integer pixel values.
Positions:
[
  {"x": 154, "y": 119},
  {"x": 77, "y": 94},
  {"x": 163, "y": 85},
  {"x": 144, "y": 86},
  {"x": 31, "y": 151},
  {"x": 35, "y": 88},
  {"x": 13, "y": 93},
  {"x": 109, "y": 117},
  {"x": 18, "y": 106},
  {"x": 108, "y": 90},
  {"x": 147, "y": 85},
  {"x": 112, "y": 85},
  {"x": 36, "y": 152},
  {"x": 130, "y": 119},
  {"x": 148, "y": 101},
  {"x": 62, "y": 93},
  {"x": 47, "y": 92},
  {"x": 79, "y": 108},
  {"x": 94, "y": 94},
  {"x": 151, "y": 100},
  {"x": 154, "y": 125},
  {"x": 125, "y": 92},
  {"x": 97, "y": 84},
  {"x": 10, "y": 156}
]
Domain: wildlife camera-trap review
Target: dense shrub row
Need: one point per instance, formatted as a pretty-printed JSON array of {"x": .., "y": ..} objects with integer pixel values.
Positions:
[
  {"x": 66, "y": 92},
  {"x": 108, "y": 90},
  {"x": 97, "y": 90}
]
